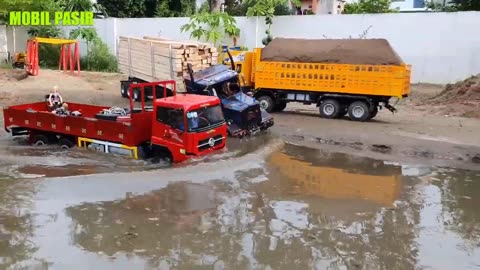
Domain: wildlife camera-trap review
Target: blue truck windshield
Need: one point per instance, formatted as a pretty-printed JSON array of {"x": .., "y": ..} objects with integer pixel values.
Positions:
[{"x": 204, "y": 118}]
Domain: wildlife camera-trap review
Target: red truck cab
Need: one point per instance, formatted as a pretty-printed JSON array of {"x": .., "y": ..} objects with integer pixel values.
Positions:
[
  {"x": 174, "y": 127},
  {"x": 188, "y": 125}
]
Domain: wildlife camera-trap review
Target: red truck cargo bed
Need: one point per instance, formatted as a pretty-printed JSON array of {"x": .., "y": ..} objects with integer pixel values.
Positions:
[{"x": 132, "y": 130}]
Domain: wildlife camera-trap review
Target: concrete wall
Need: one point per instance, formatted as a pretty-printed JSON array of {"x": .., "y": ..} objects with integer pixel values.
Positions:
[
  {"x": 17, "y": 39},
  {"x": 12, "y": 39},
  {"x": 441, "y": 47},
  {"x": 3, "y": 43}
]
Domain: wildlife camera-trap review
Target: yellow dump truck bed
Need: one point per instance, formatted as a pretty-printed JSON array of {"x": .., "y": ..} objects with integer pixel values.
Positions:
[{"x": 359, "y": 79}]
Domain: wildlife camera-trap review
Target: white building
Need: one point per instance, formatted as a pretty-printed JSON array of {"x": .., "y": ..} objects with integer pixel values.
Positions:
[{"x": 336, "y": 6}]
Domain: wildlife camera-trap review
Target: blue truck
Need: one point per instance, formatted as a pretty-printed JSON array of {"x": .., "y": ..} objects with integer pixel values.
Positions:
[{"x": 241, "y": 110}]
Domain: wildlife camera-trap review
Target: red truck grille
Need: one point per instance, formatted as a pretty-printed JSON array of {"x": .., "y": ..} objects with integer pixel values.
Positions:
[{"x": 210, "y": 142}]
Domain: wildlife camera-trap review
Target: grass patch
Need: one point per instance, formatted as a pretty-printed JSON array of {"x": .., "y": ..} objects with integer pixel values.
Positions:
[{"x": 4, "y": 65}]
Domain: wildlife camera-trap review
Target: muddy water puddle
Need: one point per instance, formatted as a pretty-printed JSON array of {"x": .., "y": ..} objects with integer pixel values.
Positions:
[
  {"x": 19, "y": 160},
  {"x": 286, "y": 207}
]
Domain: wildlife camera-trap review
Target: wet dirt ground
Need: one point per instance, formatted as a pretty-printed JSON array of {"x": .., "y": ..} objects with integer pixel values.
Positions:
[{"x": 400, "y": 192}]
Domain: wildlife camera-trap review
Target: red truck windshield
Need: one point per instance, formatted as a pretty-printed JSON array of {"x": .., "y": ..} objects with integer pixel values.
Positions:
[{"x": 204, "y": 118}]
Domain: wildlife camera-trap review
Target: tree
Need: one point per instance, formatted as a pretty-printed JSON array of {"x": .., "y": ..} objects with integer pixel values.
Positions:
[
  {"x": 209, "y": 26},
  {"x": 148, "y": 8},
  {"x": 124, "y": 8},
  {"x": 83, "y": 5},
  {"x": 26, "y": 5},
  {"x": 465, "y": 5},
  {"x": 240, "y": 8},
  {"x": 369, "y": 6},
  {"x": 175, "y": 8},
  {"x": 77, "y": 5},
  {"x": 267, "y": 8}
]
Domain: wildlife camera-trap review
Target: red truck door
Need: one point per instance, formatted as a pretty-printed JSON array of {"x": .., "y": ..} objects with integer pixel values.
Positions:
[{"x": 169, "y": 129}]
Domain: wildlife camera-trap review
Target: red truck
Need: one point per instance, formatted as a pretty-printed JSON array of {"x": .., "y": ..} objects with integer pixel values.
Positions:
[{"x": 173, "y": 129}]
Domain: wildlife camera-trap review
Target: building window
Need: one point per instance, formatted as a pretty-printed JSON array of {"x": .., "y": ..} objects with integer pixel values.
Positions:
[{"x": 418, "y": 4}]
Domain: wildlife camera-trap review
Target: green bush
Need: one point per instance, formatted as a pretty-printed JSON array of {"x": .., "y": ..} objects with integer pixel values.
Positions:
[
  {"x": 49, "y": 55},
  {"x": 4, "y": 65},
  {"x": 99, "y": 58}
]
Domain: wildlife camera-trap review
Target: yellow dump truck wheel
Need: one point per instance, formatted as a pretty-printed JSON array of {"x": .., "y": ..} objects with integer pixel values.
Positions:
[
  {"x": 330, "y": 108},
  {"x": 359, "y": 111},
  {"x": 266, "y": 103}
]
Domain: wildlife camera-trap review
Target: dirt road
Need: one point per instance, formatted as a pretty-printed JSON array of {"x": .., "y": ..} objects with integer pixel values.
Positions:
[{"x": 417, "y": 133}]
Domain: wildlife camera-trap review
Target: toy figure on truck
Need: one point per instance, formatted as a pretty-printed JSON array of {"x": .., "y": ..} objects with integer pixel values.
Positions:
[
  {"x": 173, "y": 129},
  {"x": 357, "y": 77}
]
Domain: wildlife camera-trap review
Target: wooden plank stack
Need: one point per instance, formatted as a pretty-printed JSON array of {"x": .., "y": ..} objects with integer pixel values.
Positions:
[{"x": 158, "y": 59}]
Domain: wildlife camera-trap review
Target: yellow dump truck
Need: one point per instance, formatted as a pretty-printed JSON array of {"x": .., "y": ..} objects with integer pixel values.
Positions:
[{"x": 341, "y": 76}]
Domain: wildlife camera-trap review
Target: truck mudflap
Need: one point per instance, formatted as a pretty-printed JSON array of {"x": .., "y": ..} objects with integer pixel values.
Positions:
[{"x": 390, "y": 108}]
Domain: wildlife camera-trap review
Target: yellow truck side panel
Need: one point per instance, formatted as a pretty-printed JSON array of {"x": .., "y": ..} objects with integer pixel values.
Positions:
[{"x": 393, "y": 81}]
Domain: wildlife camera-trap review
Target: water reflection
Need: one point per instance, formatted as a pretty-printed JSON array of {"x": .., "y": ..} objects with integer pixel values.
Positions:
[
  {"x": 450, "y": 221},
  {"x": 313, "y": 210},
  {"x": 336, "y": 176},
  {"x": 16, "y": 223},
  {"x": 302, "y": 209}
]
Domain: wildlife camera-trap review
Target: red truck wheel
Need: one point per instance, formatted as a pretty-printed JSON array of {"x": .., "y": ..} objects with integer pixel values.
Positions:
[
  {"x": 66, "y": 143},
  {"x": 39, "y": 140},
  {"x": 162, "y": 155}
]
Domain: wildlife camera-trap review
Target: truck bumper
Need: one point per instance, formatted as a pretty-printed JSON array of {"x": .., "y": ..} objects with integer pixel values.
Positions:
[{"x": 237, "y": 132}]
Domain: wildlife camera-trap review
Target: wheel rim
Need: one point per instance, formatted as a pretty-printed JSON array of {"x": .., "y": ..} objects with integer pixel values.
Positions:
[
  {"x": 328, "y": 109},
  {"x": 263, "y": 104},
  {"x": 358, "y": 111},
  {"x": 65, "y": 146}
]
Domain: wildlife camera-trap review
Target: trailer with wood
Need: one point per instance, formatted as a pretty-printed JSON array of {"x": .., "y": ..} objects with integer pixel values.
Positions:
[
  {"x": 340, "y": 76},
  {"x": 155, "y": 59},
  {"x": 173, "y": 129}
]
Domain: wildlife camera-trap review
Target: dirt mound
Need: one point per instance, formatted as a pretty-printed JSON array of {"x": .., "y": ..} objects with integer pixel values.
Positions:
[
  {"x": 466, "y": 90},
  {"x": 461, "y": 98},
  {"x": 341, "y": 51},
  {"x": 13, "y": 74}
]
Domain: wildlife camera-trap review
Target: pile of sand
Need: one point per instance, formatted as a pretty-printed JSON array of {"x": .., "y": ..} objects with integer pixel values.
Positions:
[
  {"x": 13, "y": 74},
  {"x": 341, "y": 51},
  {"x": 461, "y": 98}
]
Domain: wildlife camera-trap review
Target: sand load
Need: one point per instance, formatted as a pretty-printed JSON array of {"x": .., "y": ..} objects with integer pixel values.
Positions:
[{"x": 340, "y": 51}]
